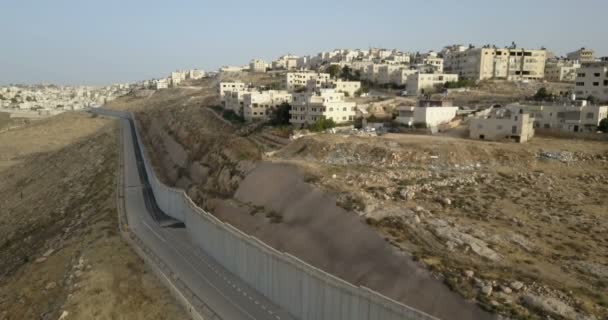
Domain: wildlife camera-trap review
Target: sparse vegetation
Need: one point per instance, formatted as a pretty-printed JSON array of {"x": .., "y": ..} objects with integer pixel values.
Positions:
[
  {"x": 280, "y": 115},
  {"x": 322, "y": 125}
]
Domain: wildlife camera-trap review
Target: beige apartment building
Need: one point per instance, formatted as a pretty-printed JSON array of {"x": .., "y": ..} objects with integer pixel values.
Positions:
[
  {"x": 494, "y": 63},
  {"x": 308, "y": 108},
  {"x": 592, "y": 80},
  {"x": 257, "y": 65},
  {"x": 230, "y": 86},
  {"x": 502, "y": 124},
  {"x": 258, "y": 105},
  {"x": 561, "y": 70},
  {"x": 582, "y": 55},
  {"x": 577, "y": 117},
  {"x": 294, "y": 80},
  {"x": 387, "y": 73},
  {"x": 418, "y": 82}
]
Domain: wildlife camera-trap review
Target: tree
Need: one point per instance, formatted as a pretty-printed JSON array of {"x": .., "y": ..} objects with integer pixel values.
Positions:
[
  {"x": 347, "y": 74},
  {"x": 543, "y": 95},
  {"x": 280, "y": 115},
  {"x": 593, "y": 99},
  {"x": 333, "y": 70},
  {"x": 322, "y": 125},
  {"x": 603, "y": 127}
]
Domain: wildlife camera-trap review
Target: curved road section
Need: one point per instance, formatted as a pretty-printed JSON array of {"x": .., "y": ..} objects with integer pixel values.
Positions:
[{"x": 227, "y": 296}]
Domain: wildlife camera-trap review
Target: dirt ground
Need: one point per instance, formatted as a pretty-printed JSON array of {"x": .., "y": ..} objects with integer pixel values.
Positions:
[
  {"x": 503, "y": 223},
  {"x": 519, "y": 229},
  {"x": 503, "y": 92},
  {"x": 60, "y": 253}
]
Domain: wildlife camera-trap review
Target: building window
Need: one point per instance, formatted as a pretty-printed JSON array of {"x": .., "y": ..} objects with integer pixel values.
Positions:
[
  {"x": 596, "y": 84},
  {"x": 580, "y": 75},
  {"x": 589, "y": 115},
  {"x": 597, "y": 74},
  {"x": 580, "y": 84}
]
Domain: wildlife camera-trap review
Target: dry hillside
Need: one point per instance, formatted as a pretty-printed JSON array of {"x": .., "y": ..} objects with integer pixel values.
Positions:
[
  {"x": 518, "y": 229},
  {"x": 60, "y": 252}
]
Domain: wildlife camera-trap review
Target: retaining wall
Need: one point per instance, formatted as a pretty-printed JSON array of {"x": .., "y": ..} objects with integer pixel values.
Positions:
[{"x": 304, "y": 291}]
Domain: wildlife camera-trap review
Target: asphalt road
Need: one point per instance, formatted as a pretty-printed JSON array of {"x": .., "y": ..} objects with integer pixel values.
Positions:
[{"x": 223, "y": 292}]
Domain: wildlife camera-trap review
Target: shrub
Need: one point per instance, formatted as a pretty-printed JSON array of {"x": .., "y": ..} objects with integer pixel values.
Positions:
[{"x": 322, "y": 125}]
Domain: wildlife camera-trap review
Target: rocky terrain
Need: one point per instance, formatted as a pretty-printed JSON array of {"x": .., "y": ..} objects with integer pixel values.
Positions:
[
  {"x": 519, "y": 230},
  {"x": 60, "y": 252}
]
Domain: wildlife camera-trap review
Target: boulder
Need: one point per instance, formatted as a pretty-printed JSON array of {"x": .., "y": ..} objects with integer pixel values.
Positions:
[{"x": 553, "y": 306}]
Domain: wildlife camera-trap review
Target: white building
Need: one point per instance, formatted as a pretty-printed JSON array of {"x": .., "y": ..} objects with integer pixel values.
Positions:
[
  {"x": 427, "y": 114},
  {"x": 231, "y": 86},
  {"x": 592, "y": 80},
  {"x": 308, "y": 108},
  {"x": 419, "y": 82},
  {"x": 177, "y": 77},
  {"x": 257, "y": 65},
  {"x": 195, "y": 74},
  {"x": 258, "y": 105},
  {"x": 294, "y": 80},
  {"x": 160, "y": 84},
  {"x": 561, "y": 70},
  {"x": 502, "y": 124}
]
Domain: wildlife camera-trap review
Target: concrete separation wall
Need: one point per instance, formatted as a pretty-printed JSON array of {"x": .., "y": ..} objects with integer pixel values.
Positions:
[
  {"x": 195, "y": 307},
  {"x": 303, "y": 290}
]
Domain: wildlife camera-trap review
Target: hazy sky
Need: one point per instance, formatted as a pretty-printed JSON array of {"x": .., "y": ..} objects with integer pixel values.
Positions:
[{"x": 102, "y": 42}]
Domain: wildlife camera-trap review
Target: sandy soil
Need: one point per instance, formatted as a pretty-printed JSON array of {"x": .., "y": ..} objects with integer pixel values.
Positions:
[{"x": 59, "y": 249}]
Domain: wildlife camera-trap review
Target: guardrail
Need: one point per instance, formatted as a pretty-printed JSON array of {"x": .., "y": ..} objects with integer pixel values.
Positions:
[{"x": 304, "y": 291}]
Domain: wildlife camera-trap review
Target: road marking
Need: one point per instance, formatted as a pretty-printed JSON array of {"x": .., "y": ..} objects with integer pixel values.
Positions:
[{"x": 154, "y": 232}]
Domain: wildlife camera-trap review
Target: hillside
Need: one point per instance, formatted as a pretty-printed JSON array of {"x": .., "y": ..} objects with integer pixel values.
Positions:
[
  {"x": 60, "y": 251},
  {"x": 517, "y": 229}
]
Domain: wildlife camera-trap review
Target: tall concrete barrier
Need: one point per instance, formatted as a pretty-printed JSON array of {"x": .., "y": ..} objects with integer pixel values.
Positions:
[{"x": 306, "y": 292}]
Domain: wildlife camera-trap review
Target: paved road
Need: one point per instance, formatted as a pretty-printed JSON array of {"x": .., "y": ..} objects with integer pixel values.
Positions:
[{"x": 224, "y": 293}]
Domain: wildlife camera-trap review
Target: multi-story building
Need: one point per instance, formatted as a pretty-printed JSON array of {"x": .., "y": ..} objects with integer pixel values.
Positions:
[
  {"x": 578, "y": 117},
  {"x": 592, "y": 80},
  {"x": 195, "y": 74},
  {"x": 257, "y": 65},
  {"x": 287, "y": 62},
  {"x": 309, "y": 107},
  {"x": 160, "y": 84},
  {"x": 561, "y": 70},
  {"x": 502, "y": 124},
  {"x": 295, "y": 80},
  {"x": 235, "y": 100},
  {"x": 231, "y": 86},
  {"x": 494, "y": 63},
  {"x": 418, "y": 82},
  {"x": 371, "y": 72},
  {"x": 258, "y": 105},
  {"x": 177, "y": 77},
  {"x": 388, "y": 72},
  {"x": 349, "y": 88},
  {"x": 400, "y": 77},
  {"x": 582, "y": 55}
]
